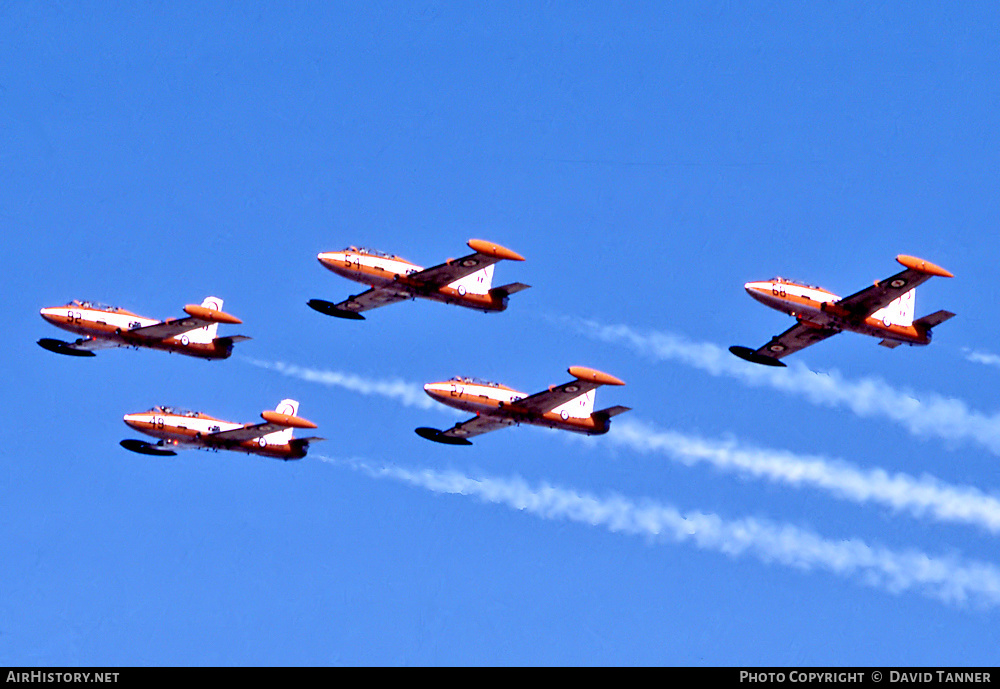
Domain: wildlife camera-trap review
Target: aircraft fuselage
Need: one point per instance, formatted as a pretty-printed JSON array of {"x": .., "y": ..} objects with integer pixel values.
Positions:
[
  {"x": 394, "y": 272},
  {"x": 500, "y": 402},
  {"x": 112, "y": 325},
  {"x": 818, "y": 307},
  {"x": 192, "y": 430}
]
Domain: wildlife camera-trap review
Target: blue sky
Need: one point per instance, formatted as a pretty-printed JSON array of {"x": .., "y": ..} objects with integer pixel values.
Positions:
[{"x": 647, "y": 161}]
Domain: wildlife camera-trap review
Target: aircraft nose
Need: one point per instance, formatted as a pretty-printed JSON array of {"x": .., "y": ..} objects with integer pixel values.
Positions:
[
  {"x": 134, "y": 420},
  {"x": 49, "y": 313},
  {"x": 331, "y": 257},
  {"x": 757, "y": 288},
  {"x": 436, "y": 389}
]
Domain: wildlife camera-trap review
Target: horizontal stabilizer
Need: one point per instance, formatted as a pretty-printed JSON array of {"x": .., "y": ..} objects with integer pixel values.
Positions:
[
  {"x": 936, "y": 318},
  {"x": 612, "y": 411},
  {"x": 512, "y": 288},
  {"x": 227, "y": 343},
  {"x": 301, "y": 445},
  {"x": 330, "y": 309}
]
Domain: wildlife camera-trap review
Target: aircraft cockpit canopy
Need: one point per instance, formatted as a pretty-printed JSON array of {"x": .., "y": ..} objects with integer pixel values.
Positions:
[
  {"x": 788, "y": 281},
  {"x": 468, "y": 380},
  {"x": 369, "y": 252},
  {"x": 177, "y": 411},
  {"x": 93, "y": 305}
]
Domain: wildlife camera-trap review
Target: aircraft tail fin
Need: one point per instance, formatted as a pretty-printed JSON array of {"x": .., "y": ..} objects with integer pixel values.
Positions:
[
  {"x": 479, "y": 282},
  {"x": 207, "y": 333},
  {"x": 579, "y": 407},
  {"x": 288, "y": 407},
  {"x": 899, "y": 311}
]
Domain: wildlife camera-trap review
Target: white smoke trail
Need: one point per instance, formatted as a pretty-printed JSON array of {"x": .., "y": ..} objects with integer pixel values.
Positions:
[
  {"x": 929, "y": 415},
  {"x": 948, "y": 579},
  {"x": 924, "y": 496},
  {"x": 981, "y": 357},
  {"x": 406, "y": 393}
]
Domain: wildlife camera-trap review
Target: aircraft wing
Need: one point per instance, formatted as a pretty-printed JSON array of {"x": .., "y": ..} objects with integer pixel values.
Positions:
[
  {"x": 84, "y": 346},
  {"x": 798, "y": 337},
  {"x": 486, "y": 253},
  {"x": 198, "y": 317},
  {"x": 273, "y": 421},
  {"x": 353, "y": 306},
  {"x": 462, "y": 431},
  {"x": 862, "y": 304},
  {"x": 238, "y": 435},
  {"x": 547, "y": 400}
]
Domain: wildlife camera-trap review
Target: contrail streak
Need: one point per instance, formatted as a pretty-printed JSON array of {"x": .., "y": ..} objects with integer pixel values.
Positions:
[
  {"x": 930, "y": 415},
  {"x": 947, "y": 579},
  {"x": 924, "y": 496},
  {"x": 406, "y": 393}
]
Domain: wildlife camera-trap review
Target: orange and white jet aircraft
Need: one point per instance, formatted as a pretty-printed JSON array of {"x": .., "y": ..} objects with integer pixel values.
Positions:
[
  {"x": 104, "y": 327},
  {"x": 179, "y": 429},
  {"x": 465, "y": 281},
  {"x": 883, "y": 310},
  {"x": 569, "y": 407}
]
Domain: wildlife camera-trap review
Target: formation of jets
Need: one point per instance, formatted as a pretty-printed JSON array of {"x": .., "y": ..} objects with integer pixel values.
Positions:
[{"x": 884, "y": 310}]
